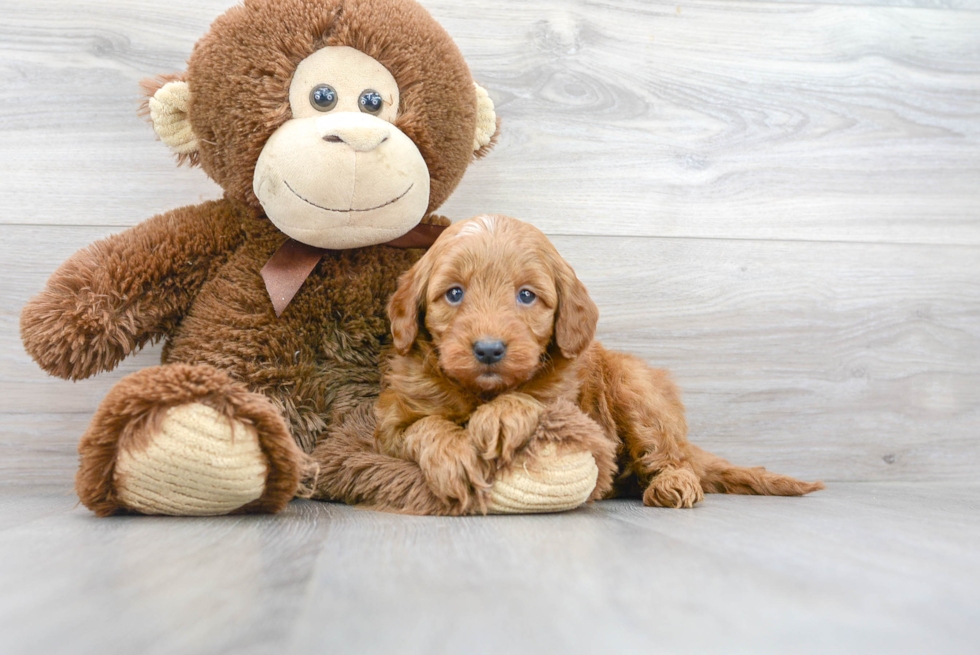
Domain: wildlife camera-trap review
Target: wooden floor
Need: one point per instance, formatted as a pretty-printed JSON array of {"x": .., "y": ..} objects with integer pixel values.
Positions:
[
  {"x": 859, "y": 568},
  {"x": 778, "y": 201}
]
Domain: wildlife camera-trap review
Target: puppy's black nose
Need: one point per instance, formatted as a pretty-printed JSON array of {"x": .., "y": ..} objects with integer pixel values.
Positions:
[{"x": 489, "y": 352}]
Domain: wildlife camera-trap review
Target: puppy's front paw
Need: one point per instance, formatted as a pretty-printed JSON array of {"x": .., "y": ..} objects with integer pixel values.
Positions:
[
  {"x": 678, "y": 488},
  {"x": 504, "y": 425}
]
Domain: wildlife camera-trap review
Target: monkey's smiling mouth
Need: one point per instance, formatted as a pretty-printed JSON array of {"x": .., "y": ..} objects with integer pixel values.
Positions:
[{"x": 347, "y": 211}]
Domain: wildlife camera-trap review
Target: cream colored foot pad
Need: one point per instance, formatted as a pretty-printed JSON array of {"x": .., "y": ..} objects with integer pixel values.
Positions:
[
  {"x": 199, "y": 464},
  {"x": 556, "y": 483}
]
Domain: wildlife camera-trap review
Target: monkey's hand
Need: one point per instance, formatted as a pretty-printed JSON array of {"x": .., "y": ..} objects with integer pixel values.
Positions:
[
  {"x": 120, "y": 293},
  {"x": 72, "y": 328}
]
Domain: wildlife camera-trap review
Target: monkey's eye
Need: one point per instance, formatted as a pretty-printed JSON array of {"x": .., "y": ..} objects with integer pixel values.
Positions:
[
  {"x": 370, "y": 101},
  {"x": 454, "y": 296},
  {"x": 526, "y": 296},
  {"x": 323, "y": 97}
]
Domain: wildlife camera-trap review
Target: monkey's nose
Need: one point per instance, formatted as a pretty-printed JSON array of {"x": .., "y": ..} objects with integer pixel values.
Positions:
[
  {"x": 357, "y": 135},
  {"x": 489, "y": 352}
]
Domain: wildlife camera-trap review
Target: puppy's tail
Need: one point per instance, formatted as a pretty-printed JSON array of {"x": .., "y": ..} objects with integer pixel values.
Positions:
[{"x": 719, "y": 476}]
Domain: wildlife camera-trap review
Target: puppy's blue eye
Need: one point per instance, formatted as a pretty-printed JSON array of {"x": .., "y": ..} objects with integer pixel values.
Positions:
[
  {"x": 370, "y": 101},
  {"x": 454, "y": 296},
  {"x": 526, "y": 296},
  {"x": 323, "y": 97}
]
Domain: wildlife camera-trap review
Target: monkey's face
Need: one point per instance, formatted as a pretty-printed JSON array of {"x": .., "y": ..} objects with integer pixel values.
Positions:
[
  {"x": 344, "y": 121},
  {"x": 339, "y": 174}
]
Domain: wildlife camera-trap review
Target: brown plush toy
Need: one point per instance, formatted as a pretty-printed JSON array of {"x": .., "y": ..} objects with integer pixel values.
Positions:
[{"x": 336, "y": 128}]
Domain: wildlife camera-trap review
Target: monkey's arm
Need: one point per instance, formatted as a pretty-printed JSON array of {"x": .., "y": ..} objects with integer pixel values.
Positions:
[
  {"x": 362, "y": 461},
  {"x": 120, "y": 293}
]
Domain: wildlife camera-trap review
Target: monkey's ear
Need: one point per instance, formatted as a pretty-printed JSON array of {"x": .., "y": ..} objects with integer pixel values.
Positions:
[
  {"x": 487, "y": 123},
  {"x": 404, "y": 306},
  {"x": 167, "y": 99},
  {"x": 577, "y": 315}
]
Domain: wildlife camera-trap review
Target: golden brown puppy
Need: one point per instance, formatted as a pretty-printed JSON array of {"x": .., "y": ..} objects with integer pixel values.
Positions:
[{"x": 492, "y": 326}]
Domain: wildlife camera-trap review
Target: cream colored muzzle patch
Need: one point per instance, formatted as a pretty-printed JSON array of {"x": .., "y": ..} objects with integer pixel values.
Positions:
[{"x": 342, "y": 180}]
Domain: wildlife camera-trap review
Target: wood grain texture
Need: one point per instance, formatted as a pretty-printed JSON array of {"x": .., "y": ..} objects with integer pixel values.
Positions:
[
  {"x": 960, "y": 5},
  {"x": 835, "y": 361},
  {"x": 714, "y": 119},
  {"x": 854, "y": 569},
  {"x": 740, "y": 120}
]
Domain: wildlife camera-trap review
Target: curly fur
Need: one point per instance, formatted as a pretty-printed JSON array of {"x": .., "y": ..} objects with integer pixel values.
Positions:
[{"x": 460, "y": 418}]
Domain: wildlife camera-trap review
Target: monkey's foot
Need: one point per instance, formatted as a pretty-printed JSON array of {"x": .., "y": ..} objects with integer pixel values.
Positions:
[
  {"x": 197, "y": 463},
  {"x": 187, "y": 441},
  {"x": 552, "y": 482},
  {"x": 567, "y": 462}
]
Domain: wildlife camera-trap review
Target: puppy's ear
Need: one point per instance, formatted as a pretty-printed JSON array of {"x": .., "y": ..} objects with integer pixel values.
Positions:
[
  {"x": 404, "y": 306},
  {"x": 577, "y": 315}
]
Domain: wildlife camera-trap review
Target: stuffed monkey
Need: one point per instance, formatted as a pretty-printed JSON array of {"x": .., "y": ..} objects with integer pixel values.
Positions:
[{"x": 335, "y": 128}]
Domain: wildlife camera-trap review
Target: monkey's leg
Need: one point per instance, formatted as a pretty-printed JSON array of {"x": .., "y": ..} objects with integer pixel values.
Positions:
[
  {"x": 566, "y": 462},
  {"x": 187, "y": 440}
]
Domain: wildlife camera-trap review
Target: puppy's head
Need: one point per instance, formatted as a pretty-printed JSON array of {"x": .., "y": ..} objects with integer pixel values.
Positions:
[{"x": 493, "y": 297}]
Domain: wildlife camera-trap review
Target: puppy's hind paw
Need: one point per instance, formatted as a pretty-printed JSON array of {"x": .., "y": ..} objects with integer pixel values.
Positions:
[{"x": 677, "y": 488}]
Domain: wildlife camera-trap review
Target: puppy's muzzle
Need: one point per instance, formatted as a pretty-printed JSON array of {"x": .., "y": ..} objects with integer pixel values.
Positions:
[{"x": 489, "y": 351}]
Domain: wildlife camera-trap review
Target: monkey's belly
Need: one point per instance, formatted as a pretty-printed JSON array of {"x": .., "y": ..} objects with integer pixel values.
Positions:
[{"x": 320, "y": 357}]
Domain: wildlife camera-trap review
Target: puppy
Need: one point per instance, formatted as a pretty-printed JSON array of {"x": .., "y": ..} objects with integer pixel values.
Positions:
[{"x": 490, "y": 328}]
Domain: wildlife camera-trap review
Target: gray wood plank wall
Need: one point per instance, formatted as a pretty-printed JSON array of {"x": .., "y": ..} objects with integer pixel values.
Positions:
[{"x": 780, "y": 202}]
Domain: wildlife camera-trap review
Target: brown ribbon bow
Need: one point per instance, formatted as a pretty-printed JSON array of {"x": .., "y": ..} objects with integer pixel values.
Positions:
[{"x": 288, "y": 268}]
